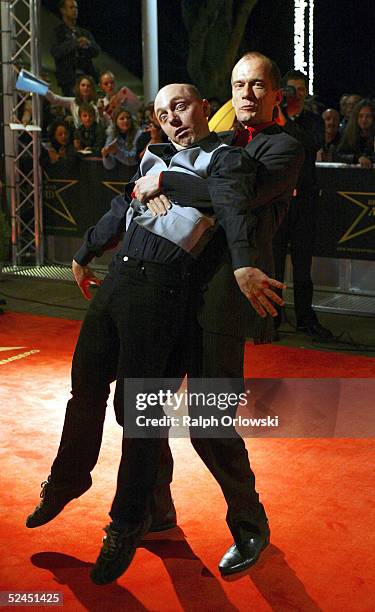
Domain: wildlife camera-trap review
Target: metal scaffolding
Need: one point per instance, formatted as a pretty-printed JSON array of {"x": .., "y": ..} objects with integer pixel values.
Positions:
[{"x": 21, "y": 48}]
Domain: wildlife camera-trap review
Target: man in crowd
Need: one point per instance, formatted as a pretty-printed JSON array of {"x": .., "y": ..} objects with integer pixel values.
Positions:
[
  {"x": 331, "y": 118},
  {"x": 73, "y": 49},
  {"x": 298, "y": 228}
]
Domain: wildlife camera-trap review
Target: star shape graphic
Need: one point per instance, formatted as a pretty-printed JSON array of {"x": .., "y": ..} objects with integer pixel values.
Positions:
[
  {"x": 63, "y": 211},
  {"x": 367, "y": 208},
  {"x": 115, "y": 186}
]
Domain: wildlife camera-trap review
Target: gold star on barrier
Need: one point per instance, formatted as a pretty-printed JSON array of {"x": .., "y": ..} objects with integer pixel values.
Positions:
[
  {"x": 52, "y": 193},
  {"x": 115, "y": 186},
  {"x": 367, "y": 214}
]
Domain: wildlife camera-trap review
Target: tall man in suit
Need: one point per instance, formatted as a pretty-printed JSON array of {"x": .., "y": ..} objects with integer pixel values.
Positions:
[{"x": 226, "y": 318}]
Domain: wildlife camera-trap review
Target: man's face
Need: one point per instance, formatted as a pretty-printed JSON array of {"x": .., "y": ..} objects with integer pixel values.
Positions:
[
  {"x": 182, "y": 116},
  {"x": 86, "y": 119},
  {"x": 331, "y": 119},
  {"x": 301, "y": 91},
  {"x": 365, "y": 119},
  {"x": 343, "y": 101},
  {"x": 69, "y": 10},
  {"x": 253, "y": 96},
  {"x": 350, "y": 104},
  {"x": 107, "y": 84}
]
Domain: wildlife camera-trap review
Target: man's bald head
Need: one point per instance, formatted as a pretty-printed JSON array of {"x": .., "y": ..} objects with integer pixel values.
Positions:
[{"x": 182, "y": 113}]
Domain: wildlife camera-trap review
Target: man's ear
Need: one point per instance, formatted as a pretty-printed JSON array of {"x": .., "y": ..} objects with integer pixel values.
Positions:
[
  {"x": 206, "y": 107},
  {"x": 279, "y": 96}
]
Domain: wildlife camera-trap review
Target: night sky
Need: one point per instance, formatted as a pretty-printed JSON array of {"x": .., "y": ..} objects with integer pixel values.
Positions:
[{"x": 344, "y": 39}]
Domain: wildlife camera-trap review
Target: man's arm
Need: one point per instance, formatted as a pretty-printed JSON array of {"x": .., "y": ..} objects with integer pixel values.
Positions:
[
  {"x": 278, "y": 170},
  {"x": 64, "y": 43},
  {"x": 106, "y": 234},
  {"x": 231, "y": 184},
  {"x": 93, "y": 49},
  {"x": 279, "y": 164}
]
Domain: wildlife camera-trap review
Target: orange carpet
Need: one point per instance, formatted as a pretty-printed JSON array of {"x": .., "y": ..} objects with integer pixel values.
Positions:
[{"x": 318, "y": 494}]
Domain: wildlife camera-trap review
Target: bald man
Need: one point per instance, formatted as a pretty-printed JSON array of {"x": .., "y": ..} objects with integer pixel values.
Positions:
[
  {"x": 331, "y": 118},
  {"x": 142, "y": 318}
]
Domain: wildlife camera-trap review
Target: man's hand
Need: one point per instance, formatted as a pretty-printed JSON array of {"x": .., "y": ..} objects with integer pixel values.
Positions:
[
  {"x": 84, "y": 278},
  {"x": 365, "y": 162},
  {"x": 146, "y": 187},
  {"x": 255, "y": 285},
  {"x": 83, "y": 42},
  {"x": 159, "y": 206}
]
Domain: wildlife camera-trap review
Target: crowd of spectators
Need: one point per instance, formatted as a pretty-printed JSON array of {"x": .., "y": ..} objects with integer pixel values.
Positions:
[
  {"x": 107, "y": 121},
  {"x": 92, "y": 117}
]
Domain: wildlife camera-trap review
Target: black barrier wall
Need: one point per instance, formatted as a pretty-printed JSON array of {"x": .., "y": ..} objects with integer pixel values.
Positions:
[
  {"x": 345, "y": 208},
  {"x": 74, "y": 202}
]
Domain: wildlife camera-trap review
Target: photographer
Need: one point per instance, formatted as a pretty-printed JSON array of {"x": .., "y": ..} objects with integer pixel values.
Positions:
[{"x": 298, "y": 227}]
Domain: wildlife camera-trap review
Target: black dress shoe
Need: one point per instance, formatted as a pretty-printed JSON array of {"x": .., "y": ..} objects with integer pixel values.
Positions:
[
  {"x": 315, "y": 330},
  {"x": 246, "y": 554},
  {"x": 118, "y": 550},
  {"x": 54, "y": 499}
]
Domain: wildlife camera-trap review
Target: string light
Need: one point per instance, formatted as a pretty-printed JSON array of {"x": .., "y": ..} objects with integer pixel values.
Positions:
[
  {"x": 300, "y": 62},
  {"x": 311, "y": 47}
]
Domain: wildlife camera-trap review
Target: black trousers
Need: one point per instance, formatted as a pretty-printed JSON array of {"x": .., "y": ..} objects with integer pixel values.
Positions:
[
  {"x": 298, "y": 231},
  {"x": 222, "y": 356},
  {"x": 142, "y": 323},
  {"x": 138, "y": 325}
]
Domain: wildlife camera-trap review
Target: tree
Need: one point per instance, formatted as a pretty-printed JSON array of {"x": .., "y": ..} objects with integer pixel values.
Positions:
[{"x": 215, "y": 29}]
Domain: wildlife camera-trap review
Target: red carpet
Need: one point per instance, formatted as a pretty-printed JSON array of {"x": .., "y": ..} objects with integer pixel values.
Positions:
[{"x": 318, "y": 494}]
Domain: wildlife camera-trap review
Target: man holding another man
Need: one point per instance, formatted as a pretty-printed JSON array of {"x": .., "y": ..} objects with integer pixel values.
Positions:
[{"x": 180, "y": 112}]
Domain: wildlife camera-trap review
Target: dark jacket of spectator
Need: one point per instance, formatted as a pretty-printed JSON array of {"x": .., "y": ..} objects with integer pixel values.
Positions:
[
  {"x": 308, "y": 129},
  {"x": 92, "y": 137},
  {"x": 72, "y": 60}
]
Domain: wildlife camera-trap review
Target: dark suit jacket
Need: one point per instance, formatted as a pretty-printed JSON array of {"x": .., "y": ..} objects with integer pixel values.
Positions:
[
  {"x": 279, "y": 156},
  {"x": 71, "y": 60}
]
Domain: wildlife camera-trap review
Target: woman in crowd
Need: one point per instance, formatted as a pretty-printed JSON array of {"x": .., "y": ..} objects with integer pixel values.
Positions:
[
  {"x": 85, "y": 92},
  {"x": 358, "y": 140},
  {"x": 59, "y": 151},
  {"x": 121, "y": 142}
]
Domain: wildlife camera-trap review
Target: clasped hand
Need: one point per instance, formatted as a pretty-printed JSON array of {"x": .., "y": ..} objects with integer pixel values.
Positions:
[
  {"x": 84, "y": 277},
  {"x": 147, "y": 191}
]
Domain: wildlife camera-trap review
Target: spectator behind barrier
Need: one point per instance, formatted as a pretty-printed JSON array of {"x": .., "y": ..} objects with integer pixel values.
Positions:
[
  {"x": 89, "y": 137},
  {"x": 73, "y": 49},
  {"x": 58, "y": 152},
  {"x": 331, "y": 118},
  {"x": 348, "y": 106},
  {"x": 152, "y": 134},
  {"x": 84, "y": 90},
  {"x": 121, "y": 143},
  {"x": 113, "y": 99},
  {"x": 358, "y": 139}
]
